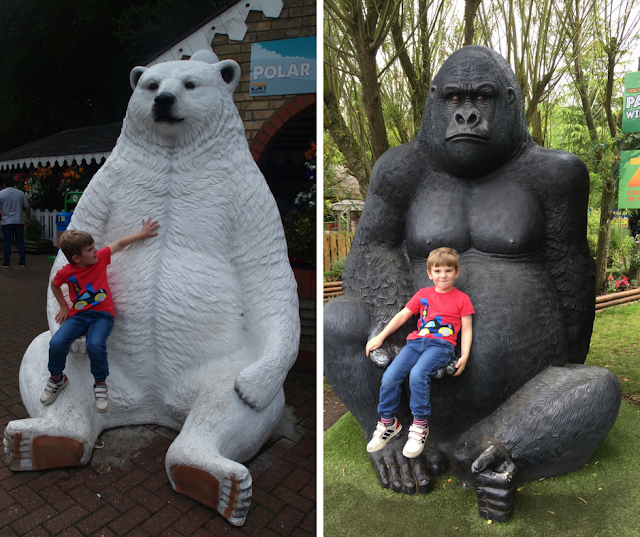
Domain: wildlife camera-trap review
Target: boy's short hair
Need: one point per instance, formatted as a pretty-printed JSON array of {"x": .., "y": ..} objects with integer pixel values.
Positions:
[
  {"x": 72, "y": 242},
  {"x": 443, "y": 257},
  {"x": 7, "y": 180}
]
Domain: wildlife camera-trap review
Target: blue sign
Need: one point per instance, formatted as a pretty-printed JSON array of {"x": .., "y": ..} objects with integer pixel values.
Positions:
[{"x": 283, "y": 67}]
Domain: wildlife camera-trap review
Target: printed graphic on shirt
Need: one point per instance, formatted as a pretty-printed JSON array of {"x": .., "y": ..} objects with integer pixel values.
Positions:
[
  {"x": 88, "y": 297},
  {"x": 424, "y": 311},
  {"x": 436, "y": 328}
]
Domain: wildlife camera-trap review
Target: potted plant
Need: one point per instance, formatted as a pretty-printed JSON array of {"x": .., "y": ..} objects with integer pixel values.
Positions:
[{"x": 33, "y": 242}]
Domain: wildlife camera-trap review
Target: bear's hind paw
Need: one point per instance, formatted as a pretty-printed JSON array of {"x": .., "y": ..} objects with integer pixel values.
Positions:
[
  {"x": 230, "y": 496},
  {"x": 27, "y": 450}
]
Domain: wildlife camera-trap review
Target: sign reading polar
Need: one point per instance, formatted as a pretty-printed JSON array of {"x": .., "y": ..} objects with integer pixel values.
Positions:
[{"x": 206, "y": 313}]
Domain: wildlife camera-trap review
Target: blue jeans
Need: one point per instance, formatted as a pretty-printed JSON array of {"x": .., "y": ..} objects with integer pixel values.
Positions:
[
  {"x": 8, "y": 232},
  {"x": 97, "y": 326},
  {"x": 421, "y": 358}
]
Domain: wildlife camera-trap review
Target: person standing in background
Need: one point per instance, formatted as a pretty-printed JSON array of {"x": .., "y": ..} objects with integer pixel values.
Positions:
[{"x": 12, "y": 202}]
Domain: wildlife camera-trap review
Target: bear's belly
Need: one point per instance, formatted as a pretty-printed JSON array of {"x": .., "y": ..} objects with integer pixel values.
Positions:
[
  {"x": 176, "y": 303},
  {"x": 518, "y": 331}
]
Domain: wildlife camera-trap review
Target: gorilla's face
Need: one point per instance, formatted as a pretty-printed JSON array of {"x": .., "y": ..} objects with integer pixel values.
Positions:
[{"x": 474, "y": 119}]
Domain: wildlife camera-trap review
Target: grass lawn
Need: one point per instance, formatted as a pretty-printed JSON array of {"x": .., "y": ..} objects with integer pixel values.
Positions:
[{"x": 602, "y": 499}]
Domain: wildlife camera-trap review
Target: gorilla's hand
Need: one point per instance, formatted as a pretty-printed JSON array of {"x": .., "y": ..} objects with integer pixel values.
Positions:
[
  {"x": 496, "y": 482},
  {"x": 383, "y": 355},
  {"x": 446, "y": 371},
  {"x": 398, "y": 473}
]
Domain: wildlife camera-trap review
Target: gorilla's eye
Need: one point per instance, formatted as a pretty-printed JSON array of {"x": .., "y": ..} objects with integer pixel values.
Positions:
[
  {"x": 455, "y": 99},
  {"x": 190, "y": 85},
  {"x": 480, "y": 98},
  {"x": 153, "y": 86}
]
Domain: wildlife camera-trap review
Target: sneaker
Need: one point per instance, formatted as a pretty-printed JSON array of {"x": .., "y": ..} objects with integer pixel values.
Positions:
[
  {"x": 22, "y": 265},
  {"x": 383, "y": 434},
  {"x": 102, "y": 400},
  {"x": 5, "y": 265},
  {"x": 415, "y": 443},
  {"x": 52, "y": 389}
]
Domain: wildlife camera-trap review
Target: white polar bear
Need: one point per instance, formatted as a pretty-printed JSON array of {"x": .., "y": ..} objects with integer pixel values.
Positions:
[{"x": 206, "y": 313}]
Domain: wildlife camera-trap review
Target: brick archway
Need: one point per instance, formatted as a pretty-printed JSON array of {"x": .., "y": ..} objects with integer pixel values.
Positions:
[{"x": 277, "y": 122}]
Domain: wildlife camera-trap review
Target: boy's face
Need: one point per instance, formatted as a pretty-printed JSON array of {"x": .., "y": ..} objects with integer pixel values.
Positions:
[
  {"x": 443, "y": 278},
  {"x": 89, "y": 256}
]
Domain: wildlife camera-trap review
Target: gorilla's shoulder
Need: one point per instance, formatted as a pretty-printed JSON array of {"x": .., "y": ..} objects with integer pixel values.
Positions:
[
  {"x": 397, "y": 167},
  {"x": 556, "y": 168}
]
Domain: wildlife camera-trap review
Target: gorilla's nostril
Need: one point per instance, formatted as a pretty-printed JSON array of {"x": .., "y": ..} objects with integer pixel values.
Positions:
[
  {"x": 472, "y": 120},
  {"x": 460, "y": 119},
  {"x": 165, "y": 99}
]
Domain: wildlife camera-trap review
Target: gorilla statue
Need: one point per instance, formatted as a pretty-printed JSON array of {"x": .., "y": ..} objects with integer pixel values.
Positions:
[{"x": 525, "y": 407}]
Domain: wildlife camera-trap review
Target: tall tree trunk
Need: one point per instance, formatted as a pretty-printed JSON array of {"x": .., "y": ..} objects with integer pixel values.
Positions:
[
  {"x": 604, "y": 232},
  {"x": 345, "y": 141},
  {"x": 609, "y": 187},
  {"x": 372, "y": 101},
  {"x": 606, "y": 199},
  {"x": 470, "y": 10},
  {"x": 417, "y": 88}
]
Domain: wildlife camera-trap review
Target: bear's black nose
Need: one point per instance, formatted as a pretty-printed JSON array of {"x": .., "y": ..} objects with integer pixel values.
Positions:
[{"x": 165, "y": 99}]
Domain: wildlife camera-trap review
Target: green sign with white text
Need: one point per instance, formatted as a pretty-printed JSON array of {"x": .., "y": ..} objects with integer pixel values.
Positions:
[
  {"x": 629, "y": 189},
  {"x": 631, "y": 103}
]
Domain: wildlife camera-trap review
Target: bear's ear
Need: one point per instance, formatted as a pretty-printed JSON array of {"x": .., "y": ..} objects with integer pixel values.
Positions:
[
  {"x": 230, "y": 72},
  {"x": 135, "y": 75}
]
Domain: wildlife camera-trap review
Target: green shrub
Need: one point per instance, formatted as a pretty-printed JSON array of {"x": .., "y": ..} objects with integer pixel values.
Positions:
[
  {"x": 335, "y": 273},
  {"x": 34, "y": 230},
  {"x": 593, "y": 226}
]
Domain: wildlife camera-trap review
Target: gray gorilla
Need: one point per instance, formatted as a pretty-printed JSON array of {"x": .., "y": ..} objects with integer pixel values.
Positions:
[{"x": 525, "y": 407}]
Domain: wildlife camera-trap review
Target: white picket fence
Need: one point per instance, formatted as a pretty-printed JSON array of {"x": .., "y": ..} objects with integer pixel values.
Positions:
[{"x": 48, "y": 220}]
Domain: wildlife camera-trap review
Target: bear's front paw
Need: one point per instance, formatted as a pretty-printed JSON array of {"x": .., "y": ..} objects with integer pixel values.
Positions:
[{"x": 79, "y": 345}]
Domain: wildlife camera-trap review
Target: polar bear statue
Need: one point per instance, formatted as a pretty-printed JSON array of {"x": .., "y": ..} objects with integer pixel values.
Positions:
[{"x": 206, "y": 313}]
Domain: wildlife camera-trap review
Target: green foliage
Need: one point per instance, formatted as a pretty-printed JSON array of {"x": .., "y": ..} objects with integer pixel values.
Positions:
[
  {"x": 337, "y": 268},
  {"x": 593, "y": 226},
  {"x": 334, "y": 166},
  {"x": 300, "y": 231},
  {"x": 33, "y": 230}
]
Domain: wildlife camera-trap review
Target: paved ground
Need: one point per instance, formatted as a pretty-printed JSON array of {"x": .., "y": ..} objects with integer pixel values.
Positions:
[{"x": 125, "y": 490}]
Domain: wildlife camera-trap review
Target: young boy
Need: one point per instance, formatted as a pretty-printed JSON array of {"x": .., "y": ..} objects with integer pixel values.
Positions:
[
  {"x": 92, "y": 310},
  {"x": 444, "y": 311}
]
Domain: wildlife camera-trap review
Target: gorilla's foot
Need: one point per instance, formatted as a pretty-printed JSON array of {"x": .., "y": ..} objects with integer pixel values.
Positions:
[
  {"x": 225, "y": 486},
  {"x": 495, "y": 479},
  {"x": 400, "y": 474},
  {"x": 31, "y": 444}
]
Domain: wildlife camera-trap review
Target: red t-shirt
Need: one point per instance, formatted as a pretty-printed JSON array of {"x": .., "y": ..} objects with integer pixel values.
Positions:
[
  {"x": 440, "y": 313},
  {"x": 89, "y": 284}
]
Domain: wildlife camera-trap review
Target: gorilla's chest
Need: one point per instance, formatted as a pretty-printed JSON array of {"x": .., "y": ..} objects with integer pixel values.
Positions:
[{"x": 496, "y": 217}]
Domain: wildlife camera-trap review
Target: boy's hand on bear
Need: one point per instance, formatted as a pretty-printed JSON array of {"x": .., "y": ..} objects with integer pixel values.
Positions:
[
  {"x": 460, "y": 365},
  {"x": 378, "y": 354},
  {"x": 149, "y": 227},
  {"x": 62, "y": 315},
  {"x": 374, "y": 343}
]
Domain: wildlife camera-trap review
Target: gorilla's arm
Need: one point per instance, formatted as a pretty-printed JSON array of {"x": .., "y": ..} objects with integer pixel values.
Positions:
[
  {"x": 377, "y": 269},
  {"x": 568, "y": 257}
]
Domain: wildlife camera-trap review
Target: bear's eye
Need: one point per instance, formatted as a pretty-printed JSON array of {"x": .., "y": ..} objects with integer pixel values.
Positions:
[
  {"x": 153, "y": 86},
  {"x": 190, "y": 85}
]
